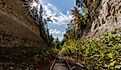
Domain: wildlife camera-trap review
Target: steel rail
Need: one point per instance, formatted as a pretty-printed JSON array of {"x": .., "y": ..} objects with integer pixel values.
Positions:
[{"x": 54, "y": 62}]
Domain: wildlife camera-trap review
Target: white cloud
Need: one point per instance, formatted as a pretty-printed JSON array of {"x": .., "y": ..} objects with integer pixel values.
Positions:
[
  {"x": 60, "y": 38},
  {"x": 54, "y": 31},
  {"x": 64, "y": 32},
  {"x": 51, "y": 12},
  {"x": 57, "y": 33}
]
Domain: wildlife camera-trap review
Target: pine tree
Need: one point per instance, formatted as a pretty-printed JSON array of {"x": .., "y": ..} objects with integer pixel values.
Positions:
[
  {"x": 51, "y": 38},
  {"x": 57, "y": 43},
  {"x": 77, "y": 20},
  {"x": 77, "y": 16}
]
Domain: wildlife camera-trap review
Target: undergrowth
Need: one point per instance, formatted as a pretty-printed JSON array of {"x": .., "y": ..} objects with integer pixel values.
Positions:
[{"x": 99, "y": 54}]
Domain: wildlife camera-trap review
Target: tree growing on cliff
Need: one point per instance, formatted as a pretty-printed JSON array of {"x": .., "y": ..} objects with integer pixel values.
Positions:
[
  {"x": 76, "y": 16},
  {"x": 80, "y": 20},
  {"x": 77, "y": 21}
]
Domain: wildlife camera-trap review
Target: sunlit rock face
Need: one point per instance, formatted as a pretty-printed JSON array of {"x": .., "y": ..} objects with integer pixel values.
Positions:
[
  {"x": 105, "y": 16},
  {"x": 17, "y": 26}
]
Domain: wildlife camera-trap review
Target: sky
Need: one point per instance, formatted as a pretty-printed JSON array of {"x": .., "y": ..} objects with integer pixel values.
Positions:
[{"x": 59, "y": 11}]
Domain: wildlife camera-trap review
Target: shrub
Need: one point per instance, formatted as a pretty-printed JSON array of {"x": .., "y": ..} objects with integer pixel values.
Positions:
[{"x": 101, "y": 53}]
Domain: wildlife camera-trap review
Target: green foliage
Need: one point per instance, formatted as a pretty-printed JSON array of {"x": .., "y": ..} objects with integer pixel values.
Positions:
[
  {"x": 110, "y": 55},
  {"x": 101, "y": 53},
  {"x": 85, "y": 16},
  {"x": 70, "y": 49}
]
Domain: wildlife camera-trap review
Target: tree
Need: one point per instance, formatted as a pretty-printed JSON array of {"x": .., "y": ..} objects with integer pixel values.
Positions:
[
  {"x": 77, "y": 16},
  {"x": 77, "y": 21},
  {"x": 57, "y": 43},
  {"x": 51, "y": 38}
]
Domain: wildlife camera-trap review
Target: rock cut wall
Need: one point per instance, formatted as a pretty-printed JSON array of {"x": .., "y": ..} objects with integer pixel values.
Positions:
[
  {"x": 105, "y": 16},
  {"x": 17, "y": 27}
]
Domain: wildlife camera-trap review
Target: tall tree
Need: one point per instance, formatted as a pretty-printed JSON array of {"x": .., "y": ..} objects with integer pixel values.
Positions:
[
  {"x": 76, "y": 15},
  {"x": 77, "y": 18}
]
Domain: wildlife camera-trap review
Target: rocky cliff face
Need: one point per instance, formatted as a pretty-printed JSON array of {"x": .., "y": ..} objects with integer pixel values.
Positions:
[
  {"x": 105, "y": 16},
  {"x": 17, "y": 27}
]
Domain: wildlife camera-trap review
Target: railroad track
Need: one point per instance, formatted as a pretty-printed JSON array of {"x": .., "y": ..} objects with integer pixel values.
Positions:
[{"x": 60, "y": 64}]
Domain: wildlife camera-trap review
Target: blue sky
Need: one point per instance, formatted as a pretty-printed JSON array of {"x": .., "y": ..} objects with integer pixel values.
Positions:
[
  {"x": 59, "y": 12},
  {"x": 62, "y": 5}
]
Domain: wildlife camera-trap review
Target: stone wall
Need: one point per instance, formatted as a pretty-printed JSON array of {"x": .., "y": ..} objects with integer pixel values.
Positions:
[
  {"x": 17, "y": 27},
  {"x": 105, "y": 16}
]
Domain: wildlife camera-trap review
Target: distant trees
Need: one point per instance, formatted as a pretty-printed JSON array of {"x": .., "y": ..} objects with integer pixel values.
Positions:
[{"x": 57, "y": 43}]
